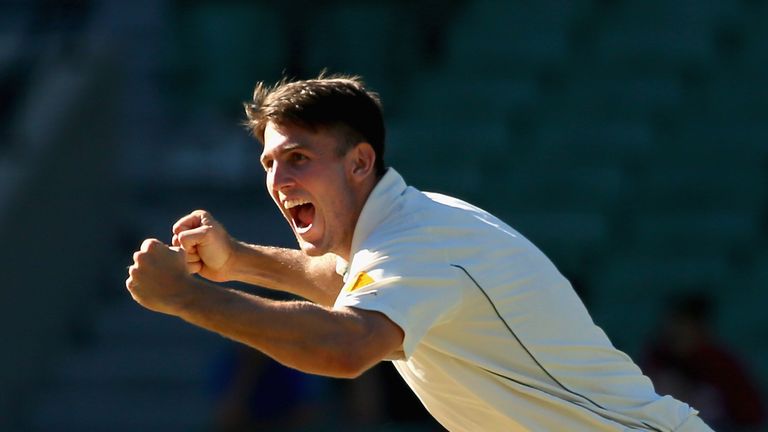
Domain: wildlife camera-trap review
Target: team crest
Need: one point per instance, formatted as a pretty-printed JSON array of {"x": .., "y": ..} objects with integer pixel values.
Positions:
[{"x": 362, "y": 279}]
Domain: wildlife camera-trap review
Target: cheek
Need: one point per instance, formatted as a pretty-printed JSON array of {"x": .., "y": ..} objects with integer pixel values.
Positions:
[
  {"x": 340, "y": 208},
  {"x": 270, "y": 189}
]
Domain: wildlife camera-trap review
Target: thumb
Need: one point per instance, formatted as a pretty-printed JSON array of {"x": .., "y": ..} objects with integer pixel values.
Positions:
[
  {"x": 179, "y": 252},
  {"x": 192, "y": 261}
]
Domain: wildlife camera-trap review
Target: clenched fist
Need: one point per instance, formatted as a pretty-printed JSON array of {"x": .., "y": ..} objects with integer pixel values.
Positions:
[
  {"x": 159, "y": 279},
  {"x": 208, "y": 246}
]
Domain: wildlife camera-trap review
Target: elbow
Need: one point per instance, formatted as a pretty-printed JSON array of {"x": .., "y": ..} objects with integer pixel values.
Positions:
[
  {"x": 348, "y": 373},
  {"x": 355, "y": 369},
  {"x": 352, "y": 353},
  {"x": 350, "y": 361}
]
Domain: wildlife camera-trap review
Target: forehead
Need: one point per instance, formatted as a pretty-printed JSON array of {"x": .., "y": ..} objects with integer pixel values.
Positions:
[{"x": 282, "y": 138}]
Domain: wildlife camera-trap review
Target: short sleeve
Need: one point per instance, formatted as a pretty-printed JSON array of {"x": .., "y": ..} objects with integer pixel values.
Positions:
[{"x": 411, "y": 289}]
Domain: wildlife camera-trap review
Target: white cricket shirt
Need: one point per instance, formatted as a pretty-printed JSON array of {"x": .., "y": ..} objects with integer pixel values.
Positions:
[{"x": 495, "y": 337}]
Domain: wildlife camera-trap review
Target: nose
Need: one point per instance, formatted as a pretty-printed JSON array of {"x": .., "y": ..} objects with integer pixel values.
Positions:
[{"x": 280, "y": 177}]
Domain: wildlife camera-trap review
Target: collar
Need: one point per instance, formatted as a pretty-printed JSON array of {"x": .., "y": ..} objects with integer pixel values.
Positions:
[{"x": 377, "y": 207}]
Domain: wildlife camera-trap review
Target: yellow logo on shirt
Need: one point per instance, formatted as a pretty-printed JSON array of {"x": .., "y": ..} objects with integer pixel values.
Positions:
[{"x": 361, "y": 280}]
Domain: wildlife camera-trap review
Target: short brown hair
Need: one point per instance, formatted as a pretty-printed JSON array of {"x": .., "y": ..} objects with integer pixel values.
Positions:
[{"x": 338, "y": 103}]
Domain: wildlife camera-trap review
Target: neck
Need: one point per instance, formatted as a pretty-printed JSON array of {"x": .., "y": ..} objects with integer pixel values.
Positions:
[{"x": 361, "y": 197}]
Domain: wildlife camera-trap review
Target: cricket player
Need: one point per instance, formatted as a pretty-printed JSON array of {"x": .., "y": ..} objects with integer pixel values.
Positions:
[{"x": 477, "y": 321}]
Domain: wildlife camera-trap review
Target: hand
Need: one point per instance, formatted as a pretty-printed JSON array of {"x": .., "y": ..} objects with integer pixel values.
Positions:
[
  {"x": 208, "y": 246},
  {"x": 158, "y": 279}
]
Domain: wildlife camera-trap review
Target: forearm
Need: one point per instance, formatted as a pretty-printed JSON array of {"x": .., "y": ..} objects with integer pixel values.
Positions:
[
  {"x": 299, "y": 334},
  {"x": 289, "y": 270}
]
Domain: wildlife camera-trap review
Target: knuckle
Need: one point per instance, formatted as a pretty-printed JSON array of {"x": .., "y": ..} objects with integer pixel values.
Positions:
[{"x": 153, "y": 245}]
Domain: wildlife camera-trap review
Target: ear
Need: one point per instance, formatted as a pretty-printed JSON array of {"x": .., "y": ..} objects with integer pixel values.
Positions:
[{"x": 361, "y": 159}]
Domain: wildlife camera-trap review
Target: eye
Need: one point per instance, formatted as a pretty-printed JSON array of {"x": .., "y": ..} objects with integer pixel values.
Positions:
[{"x": 297, "y": 157}]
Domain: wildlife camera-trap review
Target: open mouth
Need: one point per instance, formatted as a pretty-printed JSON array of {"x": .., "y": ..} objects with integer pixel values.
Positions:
[{"x": 302, "y": 213}]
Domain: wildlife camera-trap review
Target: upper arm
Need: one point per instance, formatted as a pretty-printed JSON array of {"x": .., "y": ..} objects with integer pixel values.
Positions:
[
  {"x": 322, "y": 272},
  {"x": 378, "y": 338},
  {"x": 288, "y": 270}
]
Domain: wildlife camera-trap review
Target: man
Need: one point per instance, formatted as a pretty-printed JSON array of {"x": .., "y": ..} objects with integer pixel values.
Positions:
[
  {"x": 479, "y": 322},
  {"x": 686, "y": 359}
]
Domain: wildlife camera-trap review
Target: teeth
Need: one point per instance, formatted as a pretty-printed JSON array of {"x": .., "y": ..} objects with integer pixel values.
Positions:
[{"x": 289, "y": 204}]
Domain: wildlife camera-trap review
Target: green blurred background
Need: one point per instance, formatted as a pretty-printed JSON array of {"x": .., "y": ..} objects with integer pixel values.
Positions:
[{"x": 627, "y": 139}]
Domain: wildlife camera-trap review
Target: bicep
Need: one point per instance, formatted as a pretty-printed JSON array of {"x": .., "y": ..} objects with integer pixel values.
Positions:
[{"x": 322, "y": 272}]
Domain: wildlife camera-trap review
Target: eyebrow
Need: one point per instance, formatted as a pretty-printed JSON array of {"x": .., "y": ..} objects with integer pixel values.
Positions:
[{"x": 283, "y": 148}]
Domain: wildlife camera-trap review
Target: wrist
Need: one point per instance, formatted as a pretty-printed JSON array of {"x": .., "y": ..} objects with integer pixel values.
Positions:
[
  {"x": 183, "y": 301},
  {"x": 231, "y": 271}
]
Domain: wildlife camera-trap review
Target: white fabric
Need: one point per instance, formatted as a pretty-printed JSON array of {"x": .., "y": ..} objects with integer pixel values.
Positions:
[{"x": 495, "y": 338}]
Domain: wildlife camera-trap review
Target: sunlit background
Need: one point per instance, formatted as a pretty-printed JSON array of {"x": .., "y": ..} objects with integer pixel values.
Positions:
[{"x": 628, "y": 139}]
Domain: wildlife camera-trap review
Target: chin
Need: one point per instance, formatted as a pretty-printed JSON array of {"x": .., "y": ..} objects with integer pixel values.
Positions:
[{"x": 311, "y": 249}]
